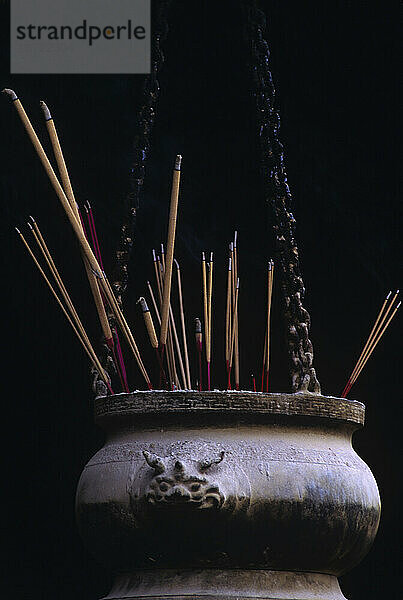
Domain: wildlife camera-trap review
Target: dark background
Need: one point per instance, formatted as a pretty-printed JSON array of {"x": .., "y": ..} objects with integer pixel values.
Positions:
[{"x": 335, "y": 66}]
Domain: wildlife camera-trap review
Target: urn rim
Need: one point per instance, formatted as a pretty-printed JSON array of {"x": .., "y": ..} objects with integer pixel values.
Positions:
[{"x": 304, "y": 405}]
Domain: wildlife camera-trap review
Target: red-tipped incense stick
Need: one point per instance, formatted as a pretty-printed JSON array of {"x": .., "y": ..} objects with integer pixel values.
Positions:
[{"x": 199, "y": 338}]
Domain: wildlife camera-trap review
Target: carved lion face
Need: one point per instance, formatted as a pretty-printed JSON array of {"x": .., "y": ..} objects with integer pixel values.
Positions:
[{"x": 178, "y": 484}]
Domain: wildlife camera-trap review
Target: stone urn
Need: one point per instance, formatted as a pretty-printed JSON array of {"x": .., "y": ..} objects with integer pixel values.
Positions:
[{"x": 227, "y": 495}]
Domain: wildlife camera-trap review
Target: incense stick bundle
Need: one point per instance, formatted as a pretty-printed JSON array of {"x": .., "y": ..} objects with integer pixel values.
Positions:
[
  {"x": 78, "y": 327},
  {"x": 377, "y": 331},
  {"x": 182, "y": 316},
  {"x": 75, "y": 223},
  {"x": 368, "y": 342},
  {"x": 375, "y": 343}
]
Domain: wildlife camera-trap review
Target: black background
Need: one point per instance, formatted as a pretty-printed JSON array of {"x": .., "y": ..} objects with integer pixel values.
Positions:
[{"x": 335, "y": 67}]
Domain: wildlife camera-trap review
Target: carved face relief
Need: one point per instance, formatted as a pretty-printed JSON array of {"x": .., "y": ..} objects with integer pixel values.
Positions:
[{"x": 179, "y": 484}]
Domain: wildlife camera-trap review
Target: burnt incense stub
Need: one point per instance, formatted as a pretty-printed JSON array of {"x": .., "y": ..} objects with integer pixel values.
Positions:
[{"x": 227, "y": 495}]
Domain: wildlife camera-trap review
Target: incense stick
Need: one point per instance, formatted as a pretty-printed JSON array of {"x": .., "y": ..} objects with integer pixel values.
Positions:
[
  {"x": 83, "y": 340},
  {"x": 54, "y": 181},
  {"x": 172, "y": 332},
  {"x": 270, "y": 275},
  {"x": 94, "y": 229},
  {"x": 199, "y": 338},
  {"x": 182, "y": 316},
  {"x": 264, "y": 361},
  {"x": 205, "y": 307},
  {"x": 148, "y": 322},
  {"x": 209, "y": 304},
  {"x": 170, "y": 250},
  {"x": 170, "y": 355},
  {"x": 118, "y": 354},
  {"x": 122, "y": 366},
  {"x": 61, "y": 163},
  {"x": 157, "y": 278},
  {"x": 235, "y": 318},
  {"x": 53, "y": 269},
  {"x": 163, "y": 377},
  {"x": 228, "y": 322},
  {"x": 236, "y": 350}
]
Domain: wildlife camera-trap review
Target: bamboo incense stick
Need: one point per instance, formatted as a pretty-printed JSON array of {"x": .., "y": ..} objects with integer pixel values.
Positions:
[
  {"x": 106, "y": 286},
  {"x": 264, "y": 362},
  {"x": 233, "y": 283},
  {"x": 228, "y": 322},
  {"x": 175, "y": 339},
  {"x": 148, "y": 322},
  {"x": 123, "y": 374},
  {"x": 368, "y": 342},
  {"x": 253, "y": 382},
  {"x": 163, "y": 257},
  {"x": 157, "y": 277},
  {"x": 170, "y": 250},
  {"x": 163, "y": 377},
  {"x": 116, "y": 349},
  {"x": 83, "y": 340},
  {"x": 182, "y": 316},
  {"x": 54, "y": 181},
  {"x": 89, "y": 223},
  {"x": 170, "y": 355},
  {"x": 209, "y": 306},
  {"x": 199, "y": 338},
  {"x": 269, "y": 297},
  {"x": 236, "y": 350},
  {"x": 154, "y": 302},
  {"x": 94, "y": 229},
  {"x": 235, "y": 318},
  {"x": 53, "y": 269},
  {"x": 74, "y": 221},
  {"x": 61, "y": 163},
  {"x": 205, "y": 307}
]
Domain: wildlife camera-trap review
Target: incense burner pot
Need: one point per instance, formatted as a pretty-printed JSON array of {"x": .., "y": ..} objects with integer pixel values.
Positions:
[{"x": 227, "y": 495}]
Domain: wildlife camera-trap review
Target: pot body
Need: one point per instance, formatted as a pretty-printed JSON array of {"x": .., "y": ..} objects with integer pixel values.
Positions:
[{"x": 227, "y": 495}]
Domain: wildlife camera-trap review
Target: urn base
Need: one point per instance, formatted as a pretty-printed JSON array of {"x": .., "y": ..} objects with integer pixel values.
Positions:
[{"x": 215, "y": 584}]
